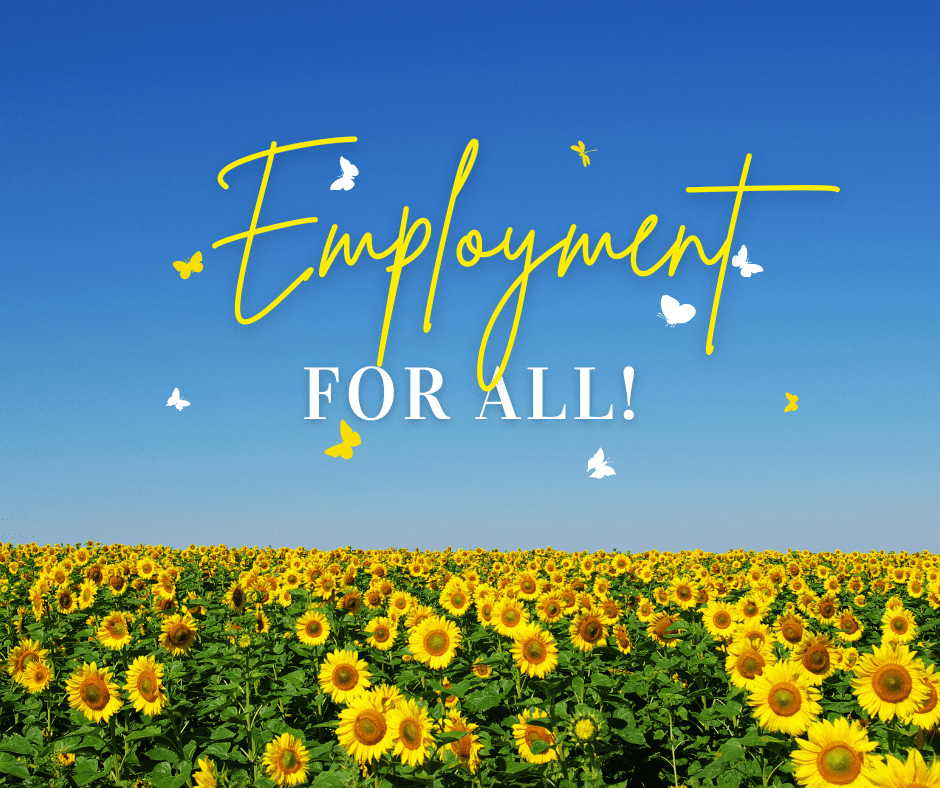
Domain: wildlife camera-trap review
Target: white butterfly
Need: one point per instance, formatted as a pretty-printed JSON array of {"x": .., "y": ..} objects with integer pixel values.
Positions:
[
  {"x": 674, "y": 312},
  {"x": 345, "y": 181},
  {"x": 740, "y": 261},
  {"x": 599, "y": 464},
  {"x": 175, "y": 400}
]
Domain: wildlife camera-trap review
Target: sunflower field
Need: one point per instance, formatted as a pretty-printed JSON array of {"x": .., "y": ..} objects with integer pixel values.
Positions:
[{"x": 213, "y": 666}]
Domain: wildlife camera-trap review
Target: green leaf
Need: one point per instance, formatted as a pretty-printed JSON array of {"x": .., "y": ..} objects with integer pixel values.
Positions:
[
  {"x": 86, "y": 771},
  {"x": 539, "y": 746},
  {"x": 144, "y": 733},
  {"x": 16, "y": 744},
  {"x": 337, "y": 779},
  {"x": 222, "y": 733},
  {"x": 9, "y": 765},
  {"x": 483, "y": 699},
  {"x": 163, "y": 754}
]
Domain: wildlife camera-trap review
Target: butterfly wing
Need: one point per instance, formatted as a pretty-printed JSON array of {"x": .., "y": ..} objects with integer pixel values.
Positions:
[
  {"x": 334, "y": 451},
  {"x": 350, "y": 437},
  {"x": 181, "y": 404},
  {"x": 740, "y": 258},
  {"x": 585, "y": 159},
  {"x": 597, "y": 460},
  {"x": 175, "y": 398},
  {"x": 183, "y": 267},
  {"x": 791, "y": 405},
  {"x": 196, "y": 262},
  {"x": 350, "y": 170},
  {"x": 749, "y": 268},
  {"x": 606, "y": 470}
]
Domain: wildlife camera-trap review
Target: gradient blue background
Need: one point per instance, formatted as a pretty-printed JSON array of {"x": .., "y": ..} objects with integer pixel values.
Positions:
[{"x": 116, "y": 123}]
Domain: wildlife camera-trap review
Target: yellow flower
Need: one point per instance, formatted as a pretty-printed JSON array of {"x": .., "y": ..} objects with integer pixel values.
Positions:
[
  {"x": 382, "y": 632},
  {"x": 898, "y": 626},
  {"x": 534, "y": 651},
  {"x": 658, "y": 630},
  {"x": 145, "y": 686},
  {"x": 890, "y": 682},
  {"x": 509, "y": 614},
  {"x": 312, "y": 628},
  {"x": 36, "y": 676},
  {"x": 434, "y": 642},
  {"x": 27, "y": 651},
  {"x": 816, "y": 656},
  {"x": 720, "y": 619},
  {"x": 836, "y": 753},
  {"x": 179, "y": 634},
  {"x": 913, "y": 773},
  {"x": 411, "y": 728},
  {"x": 467, "y": 748},
  {"x": 745, "y": 662},
  {"x": 526, "y": 734},
  {"x": 91, "y": 691},
  {"x": 363, "y": 729},
  {"x": 343, "y": 676},
  {"x": 114, "y": 631},
  {"x": 783, "y": 699},
  {"x": 207, "y": 776},
  {"x": 286, "y": 759},
  {"x": 588, "y": 630}
]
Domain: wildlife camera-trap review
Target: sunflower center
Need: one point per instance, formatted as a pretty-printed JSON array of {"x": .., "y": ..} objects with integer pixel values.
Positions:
[
  {"x": 535, "y": 651},
  {"x": 118, "y": 630},
  {"x": 684, "y": 593},
  {"x": 816, "y": 659},
  {"x": 146, "y": 686},
  {"x": 410, "y": 734},
  {"x": 534, "y": 733},
  {"x": 288, "y": 761},
  {"x": 436, "y": 643},
  {"x": 591, "y": 631},
  {"x": 314, "y": 629},
  {"x": 848, "y": 625},
  {"x": 462, "y": 748},
  {"x": 792, "y": 631},
  {"x": 892, "y": 683},
  {"x": 750, "y": 609},
  {"x": 510, "y": 617},
  {"x": 345, "y": 677},
  {"x": 528, "y": 587},
  {"x": 839, "y": 764},
  {"x": 369, "y": 728},
  {"x": 95, "y": 693},
  {"x": 380, "y": 634},
  {"x": 784, "y": 699},
  {"x": 180, "y": 635},
  {"x": 750, "y": 665},
  {"x": 722, "y": 620},
  {"x": 931, "y": 703},
  {"x": 458, "y": 600},
  {"x": 827, "y": 610},
  {"x": 553, "y": 609},
  {"x": 899, "y": 625}
]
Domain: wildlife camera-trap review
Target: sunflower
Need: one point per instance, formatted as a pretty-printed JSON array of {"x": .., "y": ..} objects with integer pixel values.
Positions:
[
  {"x": 481, "y": 670},
  {"x": 399, "y": 603},
  {"x": 179, "y": 634},
  {"x": 549, "y": 608},
  {"x": 207, "y": 776},
  {"x": 467, "y": 748},
  {"x": 508, "y": 615},
  {"x": 585, "y": 727},
  {"x": 65, "y": 599},
  {"x": 114, "y": 631},
  {"x": 683, "y": 592},
  {"x": 434, "y": 642},
  {"x": 890, "y": 682},
  {"x": 754, "y": 631},
  {"x": 27, "y": 651},
  {"x": 382, "y": 632},
  {"x": 36, "y": 676},
  {"x": 588, "y": 630},
  {"x": 836, "y": 753},
  {"x": 235, "y": 597},
  {"x": 261, "y": 622},
  {"x": 86, "y": 594},
  {"x": 622, "y": 639},
  {"x": 411, "y": 726},
  {"x": 389, "y": 695},
  {"x": 898, "y": 626},
  {"x": 312, "y": 628},
  {"x": 719, "y": 619},
  {"x": 286, "y": 759},
  {"x": 363, "y": 729},
  {"x": 751, "y": 607},
  {"x": 816, "y": 656},
  {"x": 455, "y": 598},
  {"x": 534, "y": 651},
  {"x": 849, "y": 628},
  {"x": 783, "y": 699},
  {"x": 658, "y": 627},
  {"x": 610, "y": 610},
  {"x": 343, "y": 676},
  {"x": 145, "y": 686},
  {"x": 914, "y": 773},
  {"x": 826, "y": 609},
  {"x": 527, "y": 734},
  {"x": 745, "y": 662},
  {"x": 90, "y": 691},
  {"x": 645, "y": 610},
  {"x": 928, "y": 715}
]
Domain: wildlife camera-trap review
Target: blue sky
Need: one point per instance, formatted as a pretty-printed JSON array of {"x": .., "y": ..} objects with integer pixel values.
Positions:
[{"x": 117, "y": 122}]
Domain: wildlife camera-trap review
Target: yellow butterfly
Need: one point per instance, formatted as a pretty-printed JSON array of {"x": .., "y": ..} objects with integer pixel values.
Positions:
[
  {"x": 579, "y": 149},
  {"x": 186, "y": 267},
  {"x": 792, "y": 406},
  {"x": 350, "y": 439}
]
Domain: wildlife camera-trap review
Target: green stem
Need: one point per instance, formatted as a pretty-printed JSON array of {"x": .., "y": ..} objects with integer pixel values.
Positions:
[{"x": 672, "y": 746}]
